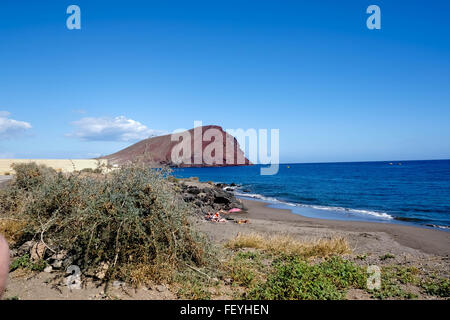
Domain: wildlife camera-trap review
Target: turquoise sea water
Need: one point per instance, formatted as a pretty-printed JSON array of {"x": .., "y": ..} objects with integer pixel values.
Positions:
[{"x": 416, "y": 192}]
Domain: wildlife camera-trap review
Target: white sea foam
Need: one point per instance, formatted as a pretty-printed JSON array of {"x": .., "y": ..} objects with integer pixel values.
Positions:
[
  {"x": 438, "y": 226},
  {"x": 376, "y": 214}
]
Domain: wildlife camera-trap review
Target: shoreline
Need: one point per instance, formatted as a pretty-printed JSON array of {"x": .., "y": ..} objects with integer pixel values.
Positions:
[
  {"x": 301, "y": 211},
  {"x": 427, "y": 240}
]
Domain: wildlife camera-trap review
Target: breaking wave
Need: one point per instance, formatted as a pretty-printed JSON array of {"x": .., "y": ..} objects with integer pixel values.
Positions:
[{"x": 361, "y": 212}]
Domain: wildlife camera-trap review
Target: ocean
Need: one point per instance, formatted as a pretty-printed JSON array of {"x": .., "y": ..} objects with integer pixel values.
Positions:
[{"x": 407, "y": 192}]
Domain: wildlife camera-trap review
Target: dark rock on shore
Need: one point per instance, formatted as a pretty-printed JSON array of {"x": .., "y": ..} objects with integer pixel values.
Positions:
[{"x": 207, "y": 197}]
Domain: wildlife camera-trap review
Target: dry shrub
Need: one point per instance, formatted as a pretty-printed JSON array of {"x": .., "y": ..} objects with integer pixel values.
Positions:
[
  {"x": 130, "y": 219},
  {"x": 12, "y": 229},
  {"x": 290, "y": 246}
]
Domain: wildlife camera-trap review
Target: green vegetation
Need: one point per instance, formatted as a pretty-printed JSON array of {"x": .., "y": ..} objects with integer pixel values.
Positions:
[
  {"x": 295, "y": 278},
  {"x": 437, "y": 287},
  {"x": 244, "y": 268},
  {"x": 407, "y": 275},
  {"x": 90, "y": 170},
  {"x": 25, "y": 262},
  {"x": 193, "y": 286},
  {"x": 361, "y": 257},
  {"x": 387, "y": 256},
  {"x": 391, "y": 280},
  {"x": 278, "y": 268}
]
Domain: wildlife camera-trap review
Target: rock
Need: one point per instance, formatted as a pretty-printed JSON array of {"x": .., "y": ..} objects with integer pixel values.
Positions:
[
  {"x": 57, "y": 260},
  {"x": 25, "y": 248},
  {"x": 222, "y": 197},
  {"x": 210, "y": 199},
  {"x": 48, "y": 269},
  {"x": 160, "y": 288},
  {"x": 13, "y": 253},
  {"x": 38, "y": 251},
  {"x": 102, "y": 272},
  {"x": 118, "y": 284},
  {"x": 60, "y": 255},
  {"x": 188, "y": 197},
  {"x": 237, "y": 204},
  {"x": 198, "y": 203},
  {"x": 193, "y": 190},
  {"x": 67, "y": 262}
]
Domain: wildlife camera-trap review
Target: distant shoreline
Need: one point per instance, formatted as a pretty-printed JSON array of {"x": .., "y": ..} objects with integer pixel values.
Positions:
[
  {"x": 427, "y": 240},
  {"x": 394, "y": 220},
  {"x": 413, "y": 193}
]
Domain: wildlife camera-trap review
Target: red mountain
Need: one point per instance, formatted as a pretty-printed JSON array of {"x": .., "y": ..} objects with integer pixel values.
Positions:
[{"x": 159, "y": 150}]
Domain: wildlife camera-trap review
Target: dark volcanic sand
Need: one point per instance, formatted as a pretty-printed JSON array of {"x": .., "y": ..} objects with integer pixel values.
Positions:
[{"x": 370, "y": 237}]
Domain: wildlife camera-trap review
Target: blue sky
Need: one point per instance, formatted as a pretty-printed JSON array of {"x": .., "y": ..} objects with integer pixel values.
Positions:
[{"x": 336, "y": 90}]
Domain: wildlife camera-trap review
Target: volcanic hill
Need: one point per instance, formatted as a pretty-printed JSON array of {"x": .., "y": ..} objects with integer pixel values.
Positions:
[{"x": 158, "y": 150}]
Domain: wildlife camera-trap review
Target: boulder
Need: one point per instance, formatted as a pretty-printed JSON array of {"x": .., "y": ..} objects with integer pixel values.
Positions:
[
  {"x": 193, "y": 190},
  {"x": 38, "y": 251}
]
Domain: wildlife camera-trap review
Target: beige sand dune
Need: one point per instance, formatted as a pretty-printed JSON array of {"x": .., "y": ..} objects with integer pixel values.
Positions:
[{"x": 63, "y": 165}]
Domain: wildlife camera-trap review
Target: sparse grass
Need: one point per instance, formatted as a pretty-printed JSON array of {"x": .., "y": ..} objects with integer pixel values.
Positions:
[
  {"x": 244, "y": 268},
  {"x": 194, "y": 290},
  {"x": 173, "y": 179},
  {"x": 193, "y": 287},
  {"x": 387, "y": 256},
  {"x": 290, "y": 246}
]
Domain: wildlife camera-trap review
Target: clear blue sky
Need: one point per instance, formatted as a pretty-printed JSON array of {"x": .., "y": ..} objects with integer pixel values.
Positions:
[{"x": 336, "y": 90}]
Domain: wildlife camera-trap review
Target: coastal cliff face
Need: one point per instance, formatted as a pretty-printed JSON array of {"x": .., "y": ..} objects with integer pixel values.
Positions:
[{"x": 206, "y": 146}]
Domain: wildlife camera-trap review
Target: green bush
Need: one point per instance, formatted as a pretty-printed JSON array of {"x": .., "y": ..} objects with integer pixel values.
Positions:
[
  {"x": 30, "y": 175},
  {"x": 90, "y": 170},
  {"x": 438, "y": 287},
  {"x": 131, "y": 220},
  {"x": 387, "y": 256},
  {"x": 296, "y": 279}
]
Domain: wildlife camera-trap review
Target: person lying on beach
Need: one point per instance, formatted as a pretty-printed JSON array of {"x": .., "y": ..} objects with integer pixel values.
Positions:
[
  {"x": 214, "y": 217},
  {"x": 4, "y": 264}
]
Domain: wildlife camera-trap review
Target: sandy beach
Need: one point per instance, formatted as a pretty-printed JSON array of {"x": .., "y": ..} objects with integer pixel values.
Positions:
[{"x": 365, "y": 237}]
